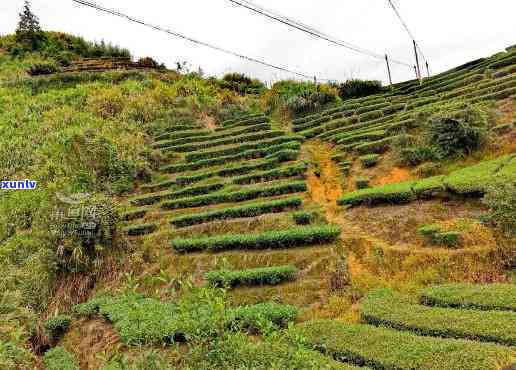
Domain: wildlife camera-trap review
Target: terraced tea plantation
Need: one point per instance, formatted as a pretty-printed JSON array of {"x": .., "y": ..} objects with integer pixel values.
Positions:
[{"x": 236, "y": 193}]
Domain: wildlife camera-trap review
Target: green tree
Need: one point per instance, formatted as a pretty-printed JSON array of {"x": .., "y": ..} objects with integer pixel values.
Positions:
[{"x": 28, "y": 31}]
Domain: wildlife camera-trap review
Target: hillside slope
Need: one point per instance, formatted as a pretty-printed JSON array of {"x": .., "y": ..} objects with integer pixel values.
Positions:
[{"x": 156, "y": 190}]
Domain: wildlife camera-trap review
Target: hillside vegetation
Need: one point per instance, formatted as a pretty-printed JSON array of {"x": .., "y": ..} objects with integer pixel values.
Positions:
[{"x": 203, "y": 223}]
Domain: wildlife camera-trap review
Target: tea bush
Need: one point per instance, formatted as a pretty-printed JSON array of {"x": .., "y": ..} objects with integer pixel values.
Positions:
[
  {"x": 291, "y": 238},
  {"x": 258, "y": 276}
]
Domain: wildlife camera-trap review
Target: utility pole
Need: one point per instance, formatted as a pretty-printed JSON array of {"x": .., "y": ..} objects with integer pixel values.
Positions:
[
  {"x": 427, "y": 69},
  {"x": 415, "y": 71},
  {"x": 418, "y": 71},
  {"x": 315, "y": 82},
  {"x": 388, "y": 69}
]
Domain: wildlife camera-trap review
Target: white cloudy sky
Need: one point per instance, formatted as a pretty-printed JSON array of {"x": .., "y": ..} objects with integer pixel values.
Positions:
[{"x": 450, "y": 32}]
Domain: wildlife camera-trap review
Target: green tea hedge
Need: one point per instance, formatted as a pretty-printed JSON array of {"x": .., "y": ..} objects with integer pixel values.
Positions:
[
  {"x": 227, "y": 141},
  {"x": 383, "y": 348},
  {"x": 138, "y": 230},
  {"x": 293, "y": 237},
  {"x": 386, "y": 308},
  {"x": 247, "y": 211},
  {"x": 238, "y": 156},
  {"x": 258, "y": 276},
  {"x": 173, "y": 135},
  {"x": 149, "y": 199},
  {"x": 211, "y": 137},
  {"x": 369, "y": 160},
  {"x": 476, "y": 296},
  {"x": 133, "y": 215},
  {"x": 296, "y": 170},
  {"x": 260, "y": 145},
  {"x": 249, "y": 317},
  {"x": 237, "y": 196}
]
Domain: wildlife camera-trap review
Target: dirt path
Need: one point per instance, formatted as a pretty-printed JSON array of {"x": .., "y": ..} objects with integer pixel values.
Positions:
[{"x": 326, "y": 188}]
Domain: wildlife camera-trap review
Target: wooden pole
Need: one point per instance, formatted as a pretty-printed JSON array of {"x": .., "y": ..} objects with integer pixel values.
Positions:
[
  {"x": 427, "y": 70},
  {"x": 415, "y": 71},
  {"x": 418, "y": 71},
  {"x": 388, "y": 69}
]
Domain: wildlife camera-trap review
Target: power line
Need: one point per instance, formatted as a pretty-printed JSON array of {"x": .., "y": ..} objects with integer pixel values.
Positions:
[
  {"x": 190, "y": 39},
  {"x": 404, "y": 24},
  {"x": 310, "y": 30}
]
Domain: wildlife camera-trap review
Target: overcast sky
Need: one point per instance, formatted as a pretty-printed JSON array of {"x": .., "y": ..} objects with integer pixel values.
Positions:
[{"x": 450, "y": 32}]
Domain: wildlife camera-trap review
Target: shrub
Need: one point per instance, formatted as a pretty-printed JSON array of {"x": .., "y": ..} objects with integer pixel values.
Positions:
[
  {"x": 138, "y": 230},
  {"x": 428, "y": 169},
  {"x": 412, "y": 156},
  {"x": 250, "y": 210},
  {"x": 43, "y": 69},
  {"x": 303, "y": 218},
  {"x": 294, "y": 237},
  {"x": 60, "y": 359},
  {"x": 237, "y": 196},
  {"x": 57, "y": 326},
  {"x": 358, "y": 88},
  {"x": 476, "y": 296},
  {"x": 376, "y": 147},
  {"x": 362, "y": 183},
  {"x": 448, "y": 239},
  {"x": 250, "y": 318},
  {"x": 383, "y": 348},
  {"x": 369, "y": 160},
  {"x": 501, "y": 200},
  {"x": 451, "y": 137},
  {"x": 386, "y": 308},
  {"x": 429, "y": 230},
  {"x": 258, "y": 276}
]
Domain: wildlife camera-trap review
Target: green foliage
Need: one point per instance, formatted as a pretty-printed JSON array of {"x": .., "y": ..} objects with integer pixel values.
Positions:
[
  {"x": 358, "y": 88},
  {"x": 258, "y": 276},
  {"x": 369, "y": 160},
  {"x": 28, "y": 32},
  {"x": 241, "y": 84},
  {"x": 198, "y": 316},
  {"x": 383, "y": 348},
  {"x": 58, "y": 325},
  {"x": 362, "y": 182},
  {"x": 236, "y": 196},
  {"x": 59, "y": 358},
  {"x": 138, "y": 230},
  {"x": 435, "y": 235},
  {"x": 294, "y": 237},
  {"x": 303, "y": 217},
  {"x": 475, "y": 296},
  {"x": 43, "y": 69},
  {"x": 385, "y": 308},
  {"x": 214, "y": 153},
  {"x": 470, "y": 180},
  {"x": 501, "y": 200},
  {"x": 296, "y": 170},
  {"x": 226, "y": 141},
  {"x": 251, "y": 317},
  {"x": 452, "y": 137},
  {"x": 247, "y": 211},
  {"x": 299, "y": 97},
  {"x": 149, "y": 199}
]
